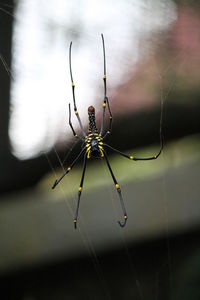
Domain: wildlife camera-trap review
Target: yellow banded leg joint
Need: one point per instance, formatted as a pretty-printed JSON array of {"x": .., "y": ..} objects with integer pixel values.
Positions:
[
  {"x": 75, "y": 223},
  {"x": 80, "y": 189},
  {"x": 76, "y": 112},
  {"x": 68, "y": 169},
  {"x": 104, "y": 76},
  {"x": 73, "y": 84},
  {"x": 104, "y": 104},
  {"x": 131, "y": 157},
  {"x": 117, "y": 186}
]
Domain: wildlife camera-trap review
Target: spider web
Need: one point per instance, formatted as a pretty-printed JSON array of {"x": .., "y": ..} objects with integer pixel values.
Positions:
[{"x": 129, "y": 257}]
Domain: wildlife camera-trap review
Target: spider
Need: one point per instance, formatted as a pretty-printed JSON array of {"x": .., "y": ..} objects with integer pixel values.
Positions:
[{"x": 93, "y": 141}]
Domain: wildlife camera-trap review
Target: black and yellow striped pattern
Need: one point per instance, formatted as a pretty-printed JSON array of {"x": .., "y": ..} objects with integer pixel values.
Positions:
[{"x": 88, "y": 140}]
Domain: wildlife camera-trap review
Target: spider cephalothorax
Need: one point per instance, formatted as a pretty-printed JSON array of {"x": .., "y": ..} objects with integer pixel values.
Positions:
[{"x": 93, "y": 144}]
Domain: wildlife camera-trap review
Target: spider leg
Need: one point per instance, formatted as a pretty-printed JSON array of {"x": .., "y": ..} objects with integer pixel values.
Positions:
[
  {"x": 131, "y": 157},
  {"x": 70, "y": 124},
  {"x": 68, "y": 169},
  {"x": 80, "y": 190},
  {"x": 105, "y": 101},
  {"x": 73, "y": 92},
  {"x": 110, "y": 121},
  {"x": 122, "y": 224}
]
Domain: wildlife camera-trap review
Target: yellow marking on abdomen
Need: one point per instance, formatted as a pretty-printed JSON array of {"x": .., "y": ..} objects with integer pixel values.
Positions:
[
  {"x": 88, "y": 154},
  {"x": 102, "y": 154}
]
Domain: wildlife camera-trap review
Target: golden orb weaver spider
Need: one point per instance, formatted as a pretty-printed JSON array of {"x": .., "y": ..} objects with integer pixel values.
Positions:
[{"x": 93, "y": 141}]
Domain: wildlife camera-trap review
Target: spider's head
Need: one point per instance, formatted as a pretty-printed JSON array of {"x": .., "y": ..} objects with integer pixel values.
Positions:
[{"x": 91, "y": 109}]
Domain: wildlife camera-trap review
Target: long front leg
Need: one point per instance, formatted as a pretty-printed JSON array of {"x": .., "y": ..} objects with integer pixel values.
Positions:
[
  {"x": 122, "y": 224},
  {"x": 105, "y": 101},
  {"x": 73, "y": 92},
  {"x": 68, "y": 169},
  {"x": 80, "y": 190}
]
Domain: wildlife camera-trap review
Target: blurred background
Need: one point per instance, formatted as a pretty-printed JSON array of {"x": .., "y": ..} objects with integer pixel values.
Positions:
[{"x": 152, "y": 55}]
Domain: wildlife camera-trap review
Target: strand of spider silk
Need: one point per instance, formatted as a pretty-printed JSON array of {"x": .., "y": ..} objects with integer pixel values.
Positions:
[
  {"x": 6, "y": 66},
  {"x": 95, "y": 259},
  {"x": 131, "y": 264},
  {"x": 1, "y": 56},
  {"x": 85, "y": 241},
  {"x": 89, "y": 244},
  {"x": 69, "y": 151},
  {"x": 6, "y": 11},
  {"x": 165, "y": 206},
  {"x": 172, "y": 84},
  {"x": 163, "y": 99},
  {"x": 130, "y": 259},
  {"x": 55, "y": 175},
  {"x": 14, "y": 17},
  {"x": 91, "y": 249},
  {"x": 84, "y": 236}
]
